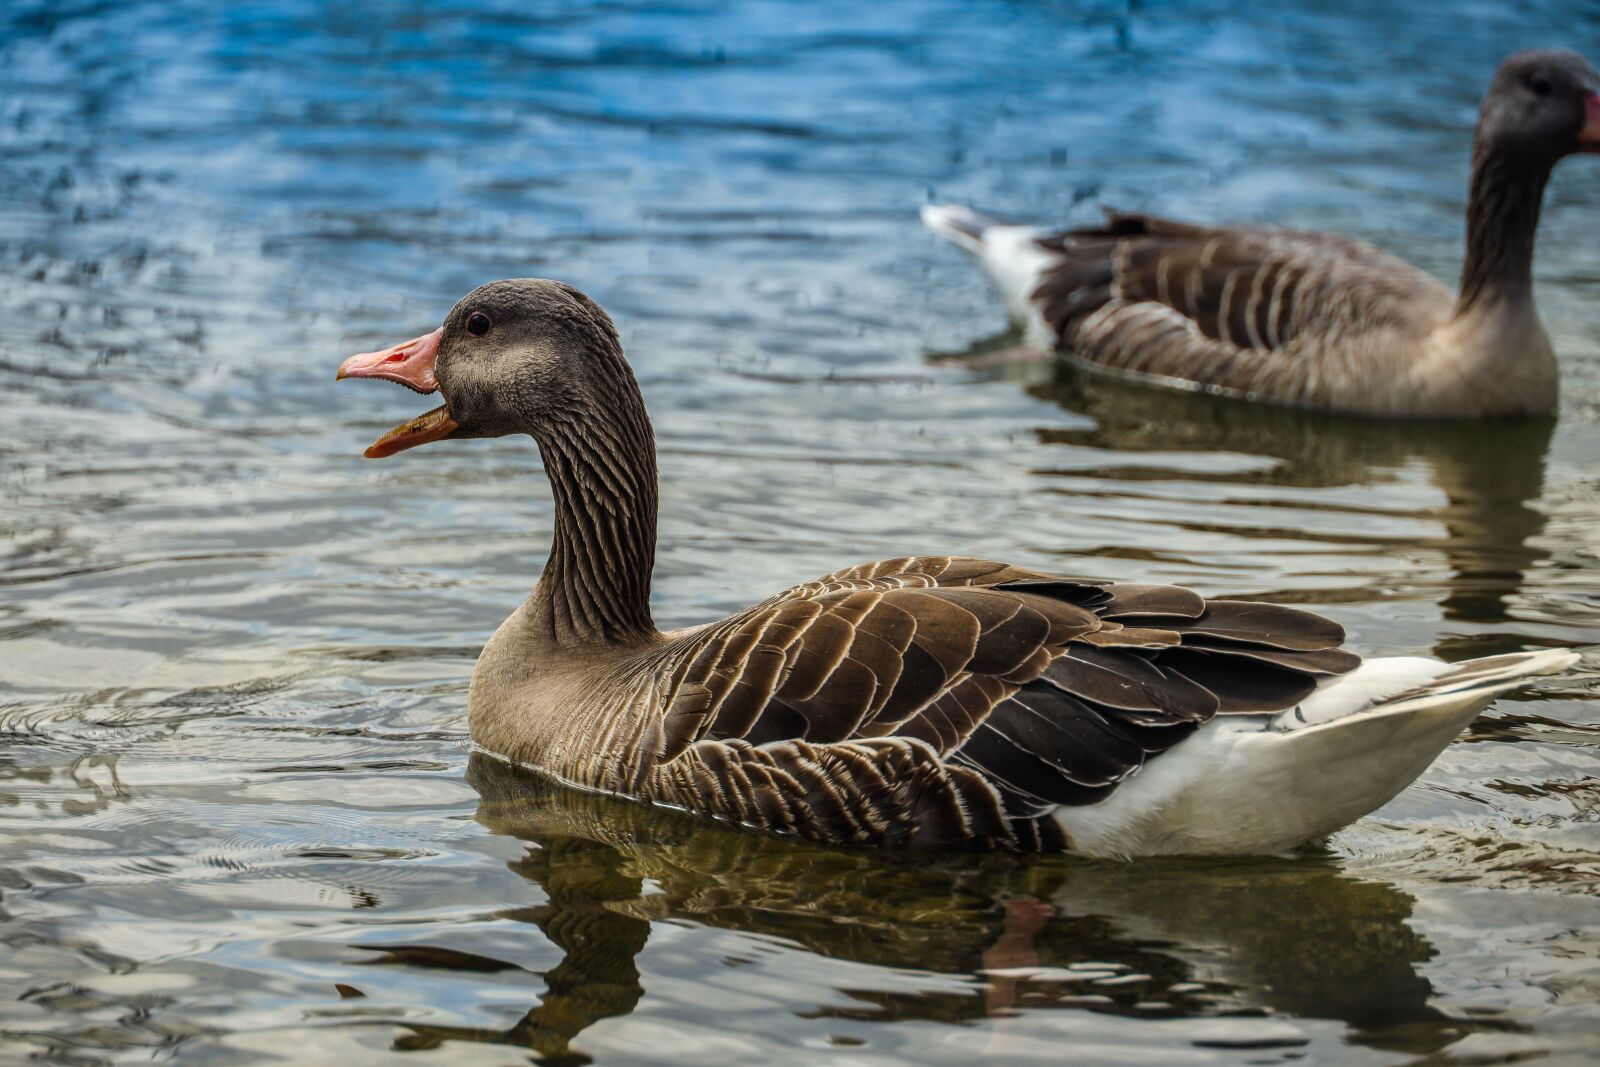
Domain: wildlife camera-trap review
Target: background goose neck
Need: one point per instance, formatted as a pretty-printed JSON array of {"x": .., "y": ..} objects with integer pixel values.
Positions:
[
  {"x": 601, "y": 463},
  {"x": 1502, "y": 220}
]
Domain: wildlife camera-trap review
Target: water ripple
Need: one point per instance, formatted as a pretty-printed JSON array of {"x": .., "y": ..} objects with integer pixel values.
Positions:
[{"x": 237, "y": 809}]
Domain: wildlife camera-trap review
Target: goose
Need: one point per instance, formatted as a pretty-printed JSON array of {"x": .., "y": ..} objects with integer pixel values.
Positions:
[
  {"x": 926, "y": 702},
  {"x": 1314, "y": 320}
]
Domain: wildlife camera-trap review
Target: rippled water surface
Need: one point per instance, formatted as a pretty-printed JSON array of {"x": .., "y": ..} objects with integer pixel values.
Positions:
[{"x": 239, "y": 818}]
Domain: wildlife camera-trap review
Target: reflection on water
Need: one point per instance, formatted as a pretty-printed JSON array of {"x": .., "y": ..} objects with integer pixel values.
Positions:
[
  {"x": 1490, "y": 480},
  {"x": 236, "y": 823},
  {"x": 1163, "y": 940}
]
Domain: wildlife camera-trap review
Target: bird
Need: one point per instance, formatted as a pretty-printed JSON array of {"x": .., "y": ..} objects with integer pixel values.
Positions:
[
  {"x": 1316, "y": 320},
  {"x": 924, "y": 702}
]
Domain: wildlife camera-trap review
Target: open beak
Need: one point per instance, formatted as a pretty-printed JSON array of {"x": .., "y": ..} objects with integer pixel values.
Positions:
[
  {"x": 412, "y": 365},
  {"x": 1589, "y": 136}
]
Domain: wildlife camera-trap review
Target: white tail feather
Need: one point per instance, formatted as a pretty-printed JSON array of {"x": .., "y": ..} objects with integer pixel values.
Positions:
[
  {"x": 1010, "y": 255},
  {"x": 1259, "y": 784},
  {"x": 961, "y": 225}
]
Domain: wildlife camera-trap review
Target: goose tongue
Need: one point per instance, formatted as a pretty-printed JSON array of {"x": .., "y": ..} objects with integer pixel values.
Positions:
[
  {"x": 1589, "y": 136},
  {"x": 412, "y": 365}
]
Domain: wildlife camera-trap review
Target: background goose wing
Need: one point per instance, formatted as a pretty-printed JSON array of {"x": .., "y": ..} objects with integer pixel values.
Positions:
[
  {"x": 943, "y": 701},
  {"x": 1213, "y": 304}
]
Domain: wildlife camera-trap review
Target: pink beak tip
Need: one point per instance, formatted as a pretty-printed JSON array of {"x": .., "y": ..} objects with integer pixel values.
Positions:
[{"x": 410, "y": 363}]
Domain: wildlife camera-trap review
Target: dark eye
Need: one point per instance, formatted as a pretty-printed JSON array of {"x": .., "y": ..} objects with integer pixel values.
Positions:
[
  {"x": 1541, "y": 86},
  {"x": 478, "y": 324}
]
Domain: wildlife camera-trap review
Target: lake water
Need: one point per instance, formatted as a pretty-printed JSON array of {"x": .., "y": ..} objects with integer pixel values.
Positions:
[{"x": 239, "y": 818}]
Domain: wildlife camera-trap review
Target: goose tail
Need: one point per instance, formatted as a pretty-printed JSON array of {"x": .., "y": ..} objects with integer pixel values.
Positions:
[
  {"x": 1493, "y": 674},
  {"x": 1011, "y": 256},
  {"x": 1254, "y": 785},
  {"x": 961, "y": 225}
]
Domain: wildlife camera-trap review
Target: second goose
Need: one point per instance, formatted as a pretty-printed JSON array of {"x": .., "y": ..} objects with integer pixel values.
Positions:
[{"x": 1310, "y": 319}]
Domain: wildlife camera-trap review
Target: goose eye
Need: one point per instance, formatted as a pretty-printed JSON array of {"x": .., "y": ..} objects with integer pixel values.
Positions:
[
  {"x": 1540, "y": 86},
  {"x": 478, "y": 324}
]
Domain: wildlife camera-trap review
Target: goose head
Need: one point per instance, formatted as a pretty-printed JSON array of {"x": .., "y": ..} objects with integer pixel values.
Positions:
[
  {"x": 512, "y": 357},
  {"x": 1541, "y": 106}
]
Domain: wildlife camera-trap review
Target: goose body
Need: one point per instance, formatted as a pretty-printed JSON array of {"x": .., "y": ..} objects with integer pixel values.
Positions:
[
  {"x": 1309, "y": 319},
  {"x": 926, "y": 702}
]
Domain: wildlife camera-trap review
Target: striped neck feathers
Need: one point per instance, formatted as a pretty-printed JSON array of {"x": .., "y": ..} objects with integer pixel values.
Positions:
[
  {"x": 601, "y": 461},
  {"x": 1502, "y": 220}
]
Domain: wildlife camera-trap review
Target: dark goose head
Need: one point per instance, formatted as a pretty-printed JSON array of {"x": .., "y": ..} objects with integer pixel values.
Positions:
[
  {"x": 1541, "y": 106},
  {"x": 518, "y": 356}
]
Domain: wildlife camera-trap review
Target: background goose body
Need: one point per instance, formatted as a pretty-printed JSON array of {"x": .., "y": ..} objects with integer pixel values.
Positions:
[
  {"x": 921, "y": 702},
  {"x": 1308, "y": 319}
]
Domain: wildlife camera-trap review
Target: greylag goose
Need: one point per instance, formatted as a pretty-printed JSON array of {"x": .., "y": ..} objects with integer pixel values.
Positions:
[
  {"x": 924, "y": 702},
  {"x": 1309, "y": 319}
]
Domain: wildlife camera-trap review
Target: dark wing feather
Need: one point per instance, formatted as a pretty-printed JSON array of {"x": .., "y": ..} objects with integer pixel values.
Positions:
[
  {"x": 1261, "y": 687},
  {"x": 1323, "y": 661},
  {"x": 1076, "y": 739},
  {"x": 940, "y": 701},
  {"x": 1248, "y": 622},
  {"x": 1144, "y": 688}
]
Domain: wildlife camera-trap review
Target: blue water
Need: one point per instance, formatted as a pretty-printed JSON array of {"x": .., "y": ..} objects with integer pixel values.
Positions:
[{"x": 239, "y": 818}]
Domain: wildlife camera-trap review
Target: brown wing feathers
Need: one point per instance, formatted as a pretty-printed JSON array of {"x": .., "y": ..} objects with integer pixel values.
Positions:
[
  {"x": 987, "y": 694},
  {"x": 1237, "y": 287}
]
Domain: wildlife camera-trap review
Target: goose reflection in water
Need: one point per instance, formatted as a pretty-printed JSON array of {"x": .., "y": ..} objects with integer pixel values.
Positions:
[
  {"x": 1490, "y": 475},
  {"x": 1158, "y": 940}
]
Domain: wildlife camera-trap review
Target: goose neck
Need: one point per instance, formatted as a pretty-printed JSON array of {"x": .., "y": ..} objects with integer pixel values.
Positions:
[
  {"x": 1502, "y": 220},
  {"x": 601, "y": 463}
]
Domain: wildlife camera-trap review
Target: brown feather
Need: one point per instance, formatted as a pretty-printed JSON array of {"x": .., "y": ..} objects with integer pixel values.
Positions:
[
  {"x": 1265, "y": 624},
  {"x": 1051, "y": 691}
]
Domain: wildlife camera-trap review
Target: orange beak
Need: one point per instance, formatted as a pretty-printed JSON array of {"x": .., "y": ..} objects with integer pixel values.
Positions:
[
  {"x": 412, "y": 365},
  {"x": 1589, "y": 136}
]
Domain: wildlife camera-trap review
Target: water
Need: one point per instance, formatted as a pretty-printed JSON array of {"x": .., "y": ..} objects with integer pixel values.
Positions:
[{"x": 241, "y": 821}]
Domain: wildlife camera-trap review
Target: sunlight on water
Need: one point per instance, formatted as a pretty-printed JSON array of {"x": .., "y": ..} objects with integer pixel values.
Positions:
[{"x": 239, "y": 819}]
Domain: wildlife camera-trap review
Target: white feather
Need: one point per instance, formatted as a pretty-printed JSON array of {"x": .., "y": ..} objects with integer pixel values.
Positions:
[
  {"x": 1010, "y": 255},
  {"x": 961, "y": 225},
  {"x": 1256, "y": 784},
  {"x": 1362, "y": 688}
]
